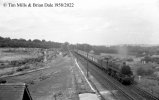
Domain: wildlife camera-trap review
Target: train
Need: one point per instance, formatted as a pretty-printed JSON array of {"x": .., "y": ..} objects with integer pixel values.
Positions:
[{"x": 116, "y": 68}]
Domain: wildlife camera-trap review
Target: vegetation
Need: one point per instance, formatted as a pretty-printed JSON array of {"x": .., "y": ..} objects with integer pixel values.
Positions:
[
  {"x": 144, "y": 72},
  {"x": 22, "y": 68},
  {"x": 151, "y": 59},
  {"x": 7, "y": 42},
  {"x": 136, "y": 50},
  {"x": 149, "y": 85}
]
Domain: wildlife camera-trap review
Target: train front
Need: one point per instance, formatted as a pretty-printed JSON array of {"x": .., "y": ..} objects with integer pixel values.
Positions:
[{"x": 128, "y": 77}]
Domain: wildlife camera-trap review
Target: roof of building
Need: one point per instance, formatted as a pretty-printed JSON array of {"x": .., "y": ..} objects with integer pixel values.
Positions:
[{"x": 14, "y": 91}]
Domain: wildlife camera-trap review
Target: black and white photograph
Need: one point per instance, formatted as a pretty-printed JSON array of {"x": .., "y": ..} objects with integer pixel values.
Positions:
[{"x": 79, "y": 49}]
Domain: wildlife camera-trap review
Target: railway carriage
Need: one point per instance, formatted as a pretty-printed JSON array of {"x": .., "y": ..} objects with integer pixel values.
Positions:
[
  {"x": 90, "y": 57},
  {"x": 100, "y": 60},
  {"x": 105, "y": 65},
  {"x": 95, "y": 59}
]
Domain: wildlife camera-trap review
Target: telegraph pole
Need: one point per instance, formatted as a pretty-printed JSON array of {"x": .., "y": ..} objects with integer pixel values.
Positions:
[
  {"x": 87, "y": 65},
  {"x": 77, "y": 51},
  {"x": 85, "y": 49}
]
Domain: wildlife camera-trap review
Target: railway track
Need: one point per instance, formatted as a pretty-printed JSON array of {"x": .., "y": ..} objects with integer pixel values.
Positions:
[
  {"x": 143, "y": 93},
  {"x": 120, "y": 94},
  {"x": 132, "y": 92}
]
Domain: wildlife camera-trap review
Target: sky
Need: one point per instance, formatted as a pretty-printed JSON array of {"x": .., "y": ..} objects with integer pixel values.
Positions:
[{"x": 96, "y": 22}]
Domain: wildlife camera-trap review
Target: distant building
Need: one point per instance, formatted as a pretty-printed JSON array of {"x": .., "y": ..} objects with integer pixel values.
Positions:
[
  {"x": 14, "y": 91},
  {"x": 152, "y": 59}
]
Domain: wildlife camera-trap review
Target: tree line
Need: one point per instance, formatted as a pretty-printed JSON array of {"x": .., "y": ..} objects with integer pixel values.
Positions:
[
  {"x": 136, "y": 50},
  {"x": 36, "y": 43}
]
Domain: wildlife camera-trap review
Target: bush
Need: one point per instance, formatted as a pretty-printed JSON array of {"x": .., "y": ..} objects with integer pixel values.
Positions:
[
  {"x": 2, "y": 81},
  {"x": 144, "y": 72},
  {"x": 140, "y": 71},
  {"x": 22, "y": 68},
  {"x": 149, "y": 72},
  {"x": 130, "y": 60}
]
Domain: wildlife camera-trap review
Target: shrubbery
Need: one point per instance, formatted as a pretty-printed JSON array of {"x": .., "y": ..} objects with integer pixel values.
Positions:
[
  {"x": 144, "y": 72},
  {"x": 8, "y": 42},
  {"x": 22, "y": 68}
]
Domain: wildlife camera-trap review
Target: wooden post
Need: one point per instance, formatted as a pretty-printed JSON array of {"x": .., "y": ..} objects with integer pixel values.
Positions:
[{"x": 87, "y": 66}]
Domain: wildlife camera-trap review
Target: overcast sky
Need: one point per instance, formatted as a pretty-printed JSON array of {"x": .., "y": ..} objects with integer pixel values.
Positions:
[{"x": 98, "y": 22}]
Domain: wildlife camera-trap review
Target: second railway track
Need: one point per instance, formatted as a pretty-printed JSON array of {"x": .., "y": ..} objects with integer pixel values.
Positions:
[
  {"x": 143, "y": 93},
  {"x": 121, "y": 94},
  {"x": 131, "y": 93}
]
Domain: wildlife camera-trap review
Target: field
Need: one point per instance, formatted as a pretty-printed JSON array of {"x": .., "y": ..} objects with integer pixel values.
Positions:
[
  {"x": 13, "y": 59},
  {"x": 11, "y": 54},
  {"x": 14, "y": 56}
]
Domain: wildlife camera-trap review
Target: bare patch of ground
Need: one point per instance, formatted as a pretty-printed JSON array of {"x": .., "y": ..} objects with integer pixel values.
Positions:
[
  {"x": 18, "y": 55},
  {"x": 50, "y": 84},
  {"x": 18, "y": 60}
]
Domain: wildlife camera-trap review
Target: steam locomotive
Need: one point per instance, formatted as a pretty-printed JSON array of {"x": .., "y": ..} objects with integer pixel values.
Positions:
[{"x": 113, "y": 67}]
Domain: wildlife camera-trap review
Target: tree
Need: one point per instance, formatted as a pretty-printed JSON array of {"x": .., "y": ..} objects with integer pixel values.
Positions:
[
  {"x": 43, "y": 40},
  {"x": 36, "y": 43},
  {"x": 29, "y": 40},
  {"x": 36, "y": 40},
  {"x": 144, "y": 72},
  {"x": 64, "y": 46},
  {"x": 22, "y": 40},
  {"x": 140, "y": 71}
]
